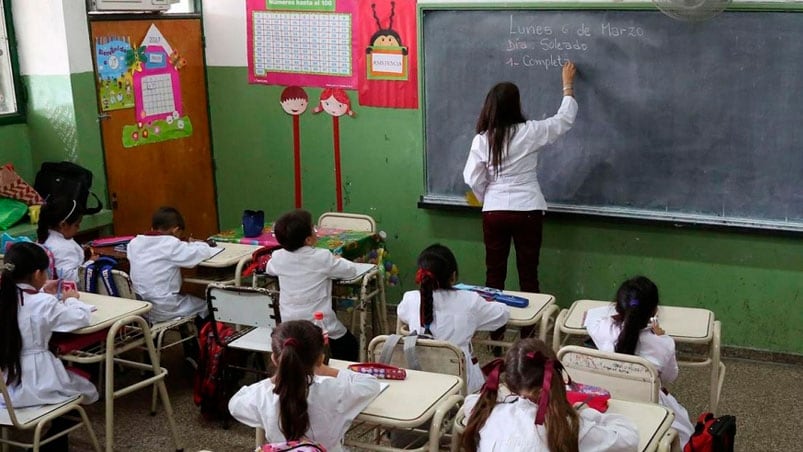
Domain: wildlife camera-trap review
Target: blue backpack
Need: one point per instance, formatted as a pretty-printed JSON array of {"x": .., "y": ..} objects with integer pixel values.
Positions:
[{"x": 100, "y": 268}]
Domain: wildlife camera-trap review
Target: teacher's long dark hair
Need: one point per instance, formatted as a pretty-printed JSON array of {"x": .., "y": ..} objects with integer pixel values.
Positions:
[
  {"x": 19, "y": 264},
  {"x": 499, "y": 118},
  {"x": 299, "y": 346}
]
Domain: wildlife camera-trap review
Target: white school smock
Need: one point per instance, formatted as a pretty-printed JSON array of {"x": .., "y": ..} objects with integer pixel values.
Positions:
[
  {"x": 511, "y": 428},
  {"x": 457, "y": 315},
  {"x": 156, "y": 262},
  {"x": 332, "y": 404},
  {"x": 305, "y": 278},
  {"x": 44, "y": 380},
  {"x": 516, "y": 186},
  {"x": 660, "y": 351},
  {"x": 67, "y": 254}
]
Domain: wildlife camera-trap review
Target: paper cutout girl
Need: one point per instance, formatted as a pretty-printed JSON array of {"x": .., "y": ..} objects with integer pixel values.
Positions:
[
  {"x": 336, "y": 102},
  {"x": 294, "y": 102}
]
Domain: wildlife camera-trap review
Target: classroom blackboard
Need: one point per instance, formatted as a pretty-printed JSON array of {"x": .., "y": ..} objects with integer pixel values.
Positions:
[{"x": 699, "y": 123}]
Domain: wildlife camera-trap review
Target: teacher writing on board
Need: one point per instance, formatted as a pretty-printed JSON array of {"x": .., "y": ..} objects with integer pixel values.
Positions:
[{"x": 501, "y": 171}]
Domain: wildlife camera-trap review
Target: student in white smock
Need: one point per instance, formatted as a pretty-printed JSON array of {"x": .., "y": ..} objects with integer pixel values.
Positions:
[
  {"x": 157, "y": 258},
  {"x": 535, "y": 415},
  {"x": 446, "y": 314},
  {"x": 305, "y": 278},
  {"x": 28, "y": 318},
  {"x": 59, "y": 221},
  {"x": 305, "y": 399},
  {"x": 633, "y": 329}
]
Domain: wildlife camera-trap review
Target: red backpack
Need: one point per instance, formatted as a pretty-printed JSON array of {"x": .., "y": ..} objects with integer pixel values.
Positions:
[
  {"x": 209, "y": 391},
  {"x": 712, "y": 434}
]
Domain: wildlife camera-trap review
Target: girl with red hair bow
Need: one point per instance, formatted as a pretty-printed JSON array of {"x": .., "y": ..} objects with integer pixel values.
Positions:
[{"x": 438, "y": 310}]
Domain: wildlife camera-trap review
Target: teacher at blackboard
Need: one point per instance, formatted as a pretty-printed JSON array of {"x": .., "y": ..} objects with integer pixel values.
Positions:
[{"x": 501, "y": 171}]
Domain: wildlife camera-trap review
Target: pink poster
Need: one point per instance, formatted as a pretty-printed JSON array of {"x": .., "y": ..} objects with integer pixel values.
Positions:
[{"x": 293, "y": 43}]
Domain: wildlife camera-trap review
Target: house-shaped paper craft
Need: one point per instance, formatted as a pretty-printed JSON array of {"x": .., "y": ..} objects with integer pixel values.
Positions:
[{"x": 157, "y": 87}]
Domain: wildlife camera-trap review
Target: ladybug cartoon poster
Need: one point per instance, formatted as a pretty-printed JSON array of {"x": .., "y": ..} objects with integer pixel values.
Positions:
[{"x": 388, "y": 69}]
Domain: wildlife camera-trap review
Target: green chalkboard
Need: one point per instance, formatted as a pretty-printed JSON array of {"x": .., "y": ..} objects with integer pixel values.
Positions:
[{"x": 699, "y": 123}]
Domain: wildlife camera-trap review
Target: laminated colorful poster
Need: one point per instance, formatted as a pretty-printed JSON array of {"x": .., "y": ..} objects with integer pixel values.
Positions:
[
  {"x": 302, "y": 42},
  {"x": 115, "y": 89},
  {"x": 157, "y": 92},
  {"x": 388, "y": 60}
]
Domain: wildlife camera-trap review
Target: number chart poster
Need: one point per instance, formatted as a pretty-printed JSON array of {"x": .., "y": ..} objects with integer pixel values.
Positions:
[{"x": 302, "y": 42}]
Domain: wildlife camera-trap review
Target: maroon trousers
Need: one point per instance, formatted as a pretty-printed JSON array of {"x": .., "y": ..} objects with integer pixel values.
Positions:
[{"x": 525, "y": 230}]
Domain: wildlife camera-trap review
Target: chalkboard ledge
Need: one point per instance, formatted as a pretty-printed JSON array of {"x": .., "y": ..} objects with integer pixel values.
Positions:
[{"x": 445, "y": 202}]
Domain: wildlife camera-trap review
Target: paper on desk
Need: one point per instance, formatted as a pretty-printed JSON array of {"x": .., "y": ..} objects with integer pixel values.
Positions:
[
  {"x": 596, "y": 314},
  {"x": 364, "y": 268}
]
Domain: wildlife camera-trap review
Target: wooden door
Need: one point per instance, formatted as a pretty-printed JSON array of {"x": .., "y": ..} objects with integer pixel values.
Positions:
[{"x": 177, "y": 172}]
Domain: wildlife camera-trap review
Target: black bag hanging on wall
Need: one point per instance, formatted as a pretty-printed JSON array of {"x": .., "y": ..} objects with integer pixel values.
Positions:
[{"x": 69, "y": 180}]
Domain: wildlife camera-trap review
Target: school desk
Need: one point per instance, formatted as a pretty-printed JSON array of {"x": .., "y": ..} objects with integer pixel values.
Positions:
[
  {"x": 421, "y": 398},
  {"x": 224, "y": 267},
  {"x": 127, "y": 331},
  {"x": 541, "y": 308},
  {"x": 685, "y": 325}
]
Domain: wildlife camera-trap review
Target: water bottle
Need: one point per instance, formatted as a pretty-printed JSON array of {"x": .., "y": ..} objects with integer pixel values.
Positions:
[{"x": 318, "y": 321}]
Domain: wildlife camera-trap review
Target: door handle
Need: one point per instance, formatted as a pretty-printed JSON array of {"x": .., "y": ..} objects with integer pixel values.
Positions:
[
  {"x": 102, "y": 116},
  {"x": 114, "y": 201}
]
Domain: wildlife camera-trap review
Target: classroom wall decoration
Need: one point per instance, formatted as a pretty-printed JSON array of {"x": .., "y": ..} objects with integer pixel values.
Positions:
[
  {"x": 388, "y": 68},
  {"x": 336, "y": 102},
  {"x": 294, "y": 102},
  {"x": 115, "y": 83},
  {"x": 301, "y": 42},
  {"x": 157, "y": 93}
]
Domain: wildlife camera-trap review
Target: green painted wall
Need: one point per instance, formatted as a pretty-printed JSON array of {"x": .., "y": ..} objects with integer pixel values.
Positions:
[
  {"x": 62, "y": 123},
  {"x": 15, "y": 147},
  {"x": 752, "y": 281}
]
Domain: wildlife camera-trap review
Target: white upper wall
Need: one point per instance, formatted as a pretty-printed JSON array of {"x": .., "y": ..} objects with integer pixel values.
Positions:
[
  {"x": 78, "y": 42},
  {"x": 224, "y": 27}
]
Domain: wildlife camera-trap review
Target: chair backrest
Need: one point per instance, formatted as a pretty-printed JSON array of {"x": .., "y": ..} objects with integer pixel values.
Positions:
[
  {"x": 350, "y": 221},
  {"x": 11, "y": 418},
  {"x": 247, "y": 306},
  {"x": 626, "y": 377},
  {"x": 433, "y": 356},
  {"x": 121, "y": 280}
]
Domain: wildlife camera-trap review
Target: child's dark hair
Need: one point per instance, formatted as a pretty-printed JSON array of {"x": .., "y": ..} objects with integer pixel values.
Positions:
[
  {"x": 299, "y": 346},
  {"x": 636, "y": 301},
  {"x": 19, "y": 263},
  {"x": 57, "y": 210},
  {"x": 436, "y": 266},
  {"x": 293, "y": 228},
  {"x": 524, "y": 373},
  {"x": 499, "y": 118},
  {"x": 166, "y": 218}
]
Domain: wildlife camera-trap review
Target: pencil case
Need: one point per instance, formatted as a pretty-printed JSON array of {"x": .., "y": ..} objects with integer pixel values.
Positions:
[
  {"x": 379, "y": 370},
  {"x": 491, "y": 294}
]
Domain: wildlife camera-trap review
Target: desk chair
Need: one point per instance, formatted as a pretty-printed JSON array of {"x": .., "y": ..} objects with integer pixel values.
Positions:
[
  {"x": 350, "y": 221},
  {"x": 626, "y": 377},
  {"x": 37, "y": 417},
  {"x": 253, "y": 312}
]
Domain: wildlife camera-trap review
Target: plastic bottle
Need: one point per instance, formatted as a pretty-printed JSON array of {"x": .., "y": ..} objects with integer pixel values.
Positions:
[{"x": 318, "y": 321}]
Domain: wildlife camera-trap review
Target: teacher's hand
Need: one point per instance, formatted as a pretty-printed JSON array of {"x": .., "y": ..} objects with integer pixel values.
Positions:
[{"x": 569, "y": 70}]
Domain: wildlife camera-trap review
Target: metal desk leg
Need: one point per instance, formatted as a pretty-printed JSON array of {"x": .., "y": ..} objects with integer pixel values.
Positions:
[
  {"x": 717, "y": 374},
  {"x": 547, "y": 315},
  {"x": 556, "y": 331},
  {"x": 361, "y": 302}
]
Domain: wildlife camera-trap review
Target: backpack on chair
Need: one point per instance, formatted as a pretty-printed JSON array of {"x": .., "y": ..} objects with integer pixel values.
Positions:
[
  {"x": 712, "y": 434},
  {"x": 101, "y": 268}
]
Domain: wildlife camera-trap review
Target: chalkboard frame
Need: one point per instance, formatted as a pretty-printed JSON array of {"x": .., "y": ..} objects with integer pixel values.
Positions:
[{"x": 445, "y": 202}]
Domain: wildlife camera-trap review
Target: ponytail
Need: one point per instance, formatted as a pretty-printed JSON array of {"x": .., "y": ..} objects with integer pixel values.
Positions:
[
  {"x": 436, "y": 268},
  {"x": 292, "y": 380},
  {"x": 57, "y": 210},
  {"x": 562, "y": 421},
  {"x": 10, "y": 335},
  {"x": 426, "y": 286},
  {"x": 636, "y": 303},
  {"x": 485, "y": 404},
  {"x": 299, "y": 345}
]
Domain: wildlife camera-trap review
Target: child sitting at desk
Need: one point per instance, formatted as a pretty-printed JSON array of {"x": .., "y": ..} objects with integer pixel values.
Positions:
[
  {"x": 305, "y": 279},
  {"x": 634, "y": 330},
  {"x": 156, "y": 259},
  {"x": 28, "y": 318},
  {"x": 535, "y": 415},
  {"x": 438, "y": 310},
  {"x": 59, "y": 221},
  {"x": 305, "y": 399}
]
